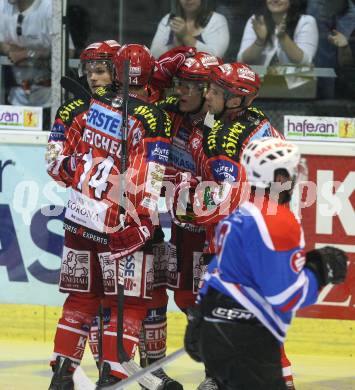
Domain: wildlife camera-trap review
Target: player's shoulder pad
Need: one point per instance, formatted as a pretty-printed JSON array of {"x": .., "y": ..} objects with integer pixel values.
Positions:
[
  {"x": 105, "y": 95},
  {"x": 70, "y": 109},
  {"x": 223, "y": 139},
  {"x": 284, "y": 229},
  {"x": 280, "y": 230},
  {"x": 156, "y": 121},
  {"x": 255, "y": 115},
  {"x": 170, "y": 104}
]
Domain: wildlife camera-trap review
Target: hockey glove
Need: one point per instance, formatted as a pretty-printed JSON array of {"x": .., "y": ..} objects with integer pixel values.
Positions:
[
  {"x": 70, "y": 163},
  {"x": 192, "y": 333},
  {"x": 129, "y": 240},
  {"x": 329, "y": 264},
  {"x": 181, "y": 210},
  {"x": 168, "y": 64}
]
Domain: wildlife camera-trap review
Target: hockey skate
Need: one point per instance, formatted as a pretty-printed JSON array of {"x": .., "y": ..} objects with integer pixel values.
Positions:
[
  {"x": 62, "y": 377},
  {"x": 208, "y": 384},
  {"x": 106, "y": 379},
  {"x": 168, "y": 383}
]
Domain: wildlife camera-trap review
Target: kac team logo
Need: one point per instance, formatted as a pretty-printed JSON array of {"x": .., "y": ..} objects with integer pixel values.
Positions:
[{"x": 297, "y": 261}]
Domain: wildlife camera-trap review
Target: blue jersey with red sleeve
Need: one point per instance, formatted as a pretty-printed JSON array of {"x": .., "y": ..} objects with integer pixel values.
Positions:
[{"x": 260, "y": 263}]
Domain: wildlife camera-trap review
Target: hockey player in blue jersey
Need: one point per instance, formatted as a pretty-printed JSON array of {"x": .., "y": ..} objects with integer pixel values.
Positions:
[{"x": 259, "y": 277}]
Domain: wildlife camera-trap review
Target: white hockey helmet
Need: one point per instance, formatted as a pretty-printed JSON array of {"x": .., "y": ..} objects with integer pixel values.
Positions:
[{"x": 262, "y": 157}]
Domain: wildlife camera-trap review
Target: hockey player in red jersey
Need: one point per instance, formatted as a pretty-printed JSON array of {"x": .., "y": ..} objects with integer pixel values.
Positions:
[
  {"x": 95, "y": 71},
  {"x": 259, "y": 277},
  {"x": 191, "y": 71},
  {"x": 231, "y": 123},
  {"x": 186, "y": 110},
  {"x": 97, "y": 238}
]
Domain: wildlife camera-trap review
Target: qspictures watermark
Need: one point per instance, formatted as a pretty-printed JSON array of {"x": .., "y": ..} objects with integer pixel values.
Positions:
[{"x": 332, "y": 198}]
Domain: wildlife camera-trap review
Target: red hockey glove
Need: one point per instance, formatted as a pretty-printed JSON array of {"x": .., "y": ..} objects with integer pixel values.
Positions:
[
  {"x": 130, "y": 239},
  {"x": 70, "y": 163},
  {"x": 168, "y": 64}
]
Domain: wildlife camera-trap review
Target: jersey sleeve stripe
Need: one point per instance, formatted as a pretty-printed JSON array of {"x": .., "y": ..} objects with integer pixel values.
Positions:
[
  {"x": 292, "y": 303},
  {"x": 286, "y": 294},
  {"x": 251, "y": 209}
]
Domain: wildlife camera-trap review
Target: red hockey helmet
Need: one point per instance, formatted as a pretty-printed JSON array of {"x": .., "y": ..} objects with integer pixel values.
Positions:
[
  {"x": 198, "y": 67},
  {"x": 98, "y": 51},
  {"x": 141, "y": 63},
  {"x": 236, "y": 79}
]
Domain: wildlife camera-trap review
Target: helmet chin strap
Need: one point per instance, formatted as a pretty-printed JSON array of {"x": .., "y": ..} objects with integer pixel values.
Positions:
[{"x": 227, "y": 96}]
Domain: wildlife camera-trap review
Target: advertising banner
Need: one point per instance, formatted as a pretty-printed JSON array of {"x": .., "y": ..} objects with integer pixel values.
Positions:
[
  {"x": 328, "y": 218},
  {"x": 315, "y": 128},
  {"x": 31, "y": 234},
  {"x": 20, "y": 118}
]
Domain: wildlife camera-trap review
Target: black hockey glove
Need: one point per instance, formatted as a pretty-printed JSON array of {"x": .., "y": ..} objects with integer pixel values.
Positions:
[
  {"x": 329, "y": 265},
  {"x": 192, "y": 334}
]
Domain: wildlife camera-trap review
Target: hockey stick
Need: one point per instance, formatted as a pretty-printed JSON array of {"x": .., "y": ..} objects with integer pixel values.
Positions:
[
  {"x": 82, "y": 382},
  {"x": 100, "y": 326},
  {"x": 149, "y": 381},
  {"x": 143, "y": 356},
  {"x": 75, "y": 88},
  {"x": 148, "y": 370}
]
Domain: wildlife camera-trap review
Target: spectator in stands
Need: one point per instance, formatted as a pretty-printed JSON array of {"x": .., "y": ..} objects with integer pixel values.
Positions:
[
  {"x": 279, "y": 34},
  {"x": 192, "y": 23},
  {"x": 236, "y": 13},
  {"x": 25, "y": 38},
  {"x": 332, "y": 17},
  {"x": 345, "y": 53},
  {"x": 345, "y": 83}
]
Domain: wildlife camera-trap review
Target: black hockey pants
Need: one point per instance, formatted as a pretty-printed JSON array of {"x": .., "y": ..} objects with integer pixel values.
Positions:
[{"x": 239, "y": 355}]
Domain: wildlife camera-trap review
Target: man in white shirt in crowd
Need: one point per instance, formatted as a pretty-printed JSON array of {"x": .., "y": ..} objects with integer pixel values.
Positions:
[{"x": 25, "y": 38}]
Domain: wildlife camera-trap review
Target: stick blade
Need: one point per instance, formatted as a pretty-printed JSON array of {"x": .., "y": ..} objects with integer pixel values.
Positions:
[
  {"x": 81, "y": 381},
  {"x": 150, "y": 381}
]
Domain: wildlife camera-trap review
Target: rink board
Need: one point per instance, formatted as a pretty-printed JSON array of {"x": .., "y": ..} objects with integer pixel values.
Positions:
[
  {"x": 321, "y": 351},
  {"x": 38, "y": 323}
]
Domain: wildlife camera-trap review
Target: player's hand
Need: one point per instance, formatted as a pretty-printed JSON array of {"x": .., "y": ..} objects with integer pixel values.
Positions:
[
  {"x": 169, "y": 63},
  {"x": 70, "y": 163},
  {"x": 129, "y": 240},
  {"x": 53, "y": 151},
  {"x": 192, "y": 333},
  {"x": 329, "y": 264}
]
